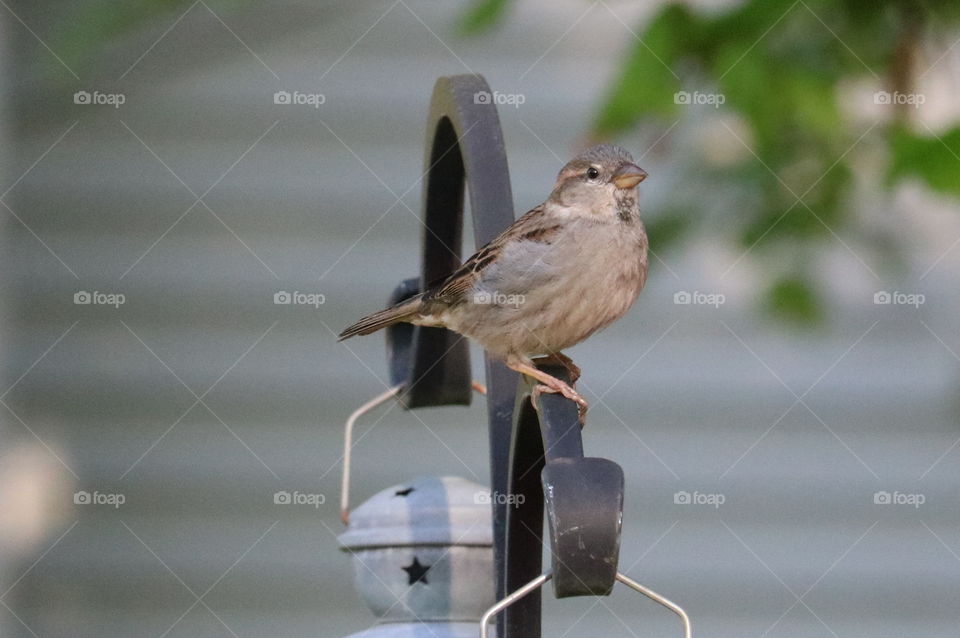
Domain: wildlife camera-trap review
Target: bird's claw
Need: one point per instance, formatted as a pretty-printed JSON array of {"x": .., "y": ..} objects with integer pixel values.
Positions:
[
  {"x": 558, "y": 358},
  {"x": 567, "y": 392}
]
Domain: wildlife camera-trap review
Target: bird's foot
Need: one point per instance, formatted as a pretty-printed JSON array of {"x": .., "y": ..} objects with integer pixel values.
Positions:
[
  {"x": 567, "y": 392},
  {"x": 549, "y": 383},
  {"x": 558, "y": 358}
]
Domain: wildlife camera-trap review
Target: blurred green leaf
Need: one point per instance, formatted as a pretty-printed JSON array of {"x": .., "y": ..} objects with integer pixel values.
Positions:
[
  {"x": 88, "y": 28},
  {"x": 751, "y": 88},
  {"x": 483, "y": 15},
  {"x": 794, "y": 300},
  {"x": 664, "y": 230},
  {"x": 647, "y": 83},
  {"x": 935, "y": 160}
]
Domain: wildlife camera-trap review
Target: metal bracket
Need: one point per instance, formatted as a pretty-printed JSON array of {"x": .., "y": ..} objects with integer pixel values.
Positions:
[{"x": 583, "y": 497}]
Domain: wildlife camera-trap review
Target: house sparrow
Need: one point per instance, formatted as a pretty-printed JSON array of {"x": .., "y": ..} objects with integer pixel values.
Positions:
[{"x": 564, "y": 270}]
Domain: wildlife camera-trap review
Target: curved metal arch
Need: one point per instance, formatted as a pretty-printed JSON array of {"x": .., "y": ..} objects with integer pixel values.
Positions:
[{"x": 464, "y": 145}]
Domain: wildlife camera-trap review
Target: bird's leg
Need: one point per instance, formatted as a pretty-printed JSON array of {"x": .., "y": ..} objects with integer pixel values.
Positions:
[
  {"x": 549, "y": 384},
  {"x": 558, "y": 358}
]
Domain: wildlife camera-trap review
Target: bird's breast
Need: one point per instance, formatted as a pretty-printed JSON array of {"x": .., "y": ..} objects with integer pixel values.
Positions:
[{"x": 554, "y": 295}]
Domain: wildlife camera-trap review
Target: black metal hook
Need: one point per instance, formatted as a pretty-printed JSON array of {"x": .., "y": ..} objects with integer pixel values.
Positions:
[
  {"x": 583, "y": 498},
  {"x": 464, "y": 141}
]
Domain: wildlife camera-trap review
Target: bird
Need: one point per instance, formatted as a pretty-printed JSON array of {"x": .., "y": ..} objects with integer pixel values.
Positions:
[{"x": 564, "y": 270}]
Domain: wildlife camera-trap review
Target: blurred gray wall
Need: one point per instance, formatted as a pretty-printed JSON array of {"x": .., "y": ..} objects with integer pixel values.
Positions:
[{"x": 198, "y": 397}]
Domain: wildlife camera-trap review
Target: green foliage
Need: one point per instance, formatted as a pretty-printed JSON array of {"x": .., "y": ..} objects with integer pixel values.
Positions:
[
  {"x": 647, "y": 83},
  {"x": 482, "y": 16},
  {"x": 778, "y": 65},
  {"x": 794, "y": 300},
  {"x": 667, "y": 228},
  {"x": 933, "y": 159},
  {"x": 87, "y": 28}
]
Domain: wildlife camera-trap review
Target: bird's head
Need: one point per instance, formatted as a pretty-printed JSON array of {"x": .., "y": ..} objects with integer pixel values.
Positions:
[{"x": 600, "y": 181}]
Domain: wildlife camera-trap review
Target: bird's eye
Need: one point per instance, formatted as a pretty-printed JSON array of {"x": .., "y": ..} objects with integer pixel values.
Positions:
[{"x": 593, "y": 172}]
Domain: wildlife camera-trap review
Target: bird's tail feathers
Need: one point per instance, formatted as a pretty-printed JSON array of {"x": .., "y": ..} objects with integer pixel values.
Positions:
[{"x": 371, "y": 323}]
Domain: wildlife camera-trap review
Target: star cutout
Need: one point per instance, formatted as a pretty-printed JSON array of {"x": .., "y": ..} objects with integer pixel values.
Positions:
[{"x": 417, "y": 573}]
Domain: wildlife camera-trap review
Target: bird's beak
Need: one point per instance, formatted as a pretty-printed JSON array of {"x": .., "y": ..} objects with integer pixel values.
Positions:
[{"x": 628, "y": 176}]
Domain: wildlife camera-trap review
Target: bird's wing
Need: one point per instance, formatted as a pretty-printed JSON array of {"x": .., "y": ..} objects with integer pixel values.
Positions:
[{"x": 532, "y": 226}]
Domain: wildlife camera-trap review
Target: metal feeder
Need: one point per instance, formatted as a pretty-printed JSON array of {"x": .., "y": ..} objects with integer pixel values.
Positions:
[
  {"x": 536, "y": 452},
  {"x": 423, "y": 558}
]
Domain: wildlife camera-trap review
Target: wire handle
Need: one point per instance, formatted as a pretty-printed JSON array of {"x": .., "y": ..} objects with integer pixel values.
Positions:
[
  {"x": 533, "y": 585},
  {"x": 348, "y": 441},
  {"x": 666, "y": 602},
  {"x": 539, "y": 581}
]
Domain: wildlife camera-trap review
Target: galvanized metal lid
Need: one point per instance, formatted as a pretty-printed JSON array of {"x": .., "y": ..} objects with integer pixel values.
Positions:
[
  {"x": 430, "y": 510},
  {"x": 421, "y": 630}
]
